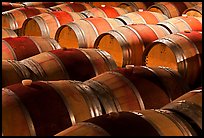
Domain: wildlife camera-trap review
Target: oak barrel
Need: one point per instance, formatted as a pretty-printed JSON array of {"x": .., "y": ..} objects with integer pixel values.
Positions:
[
  {"x": 46, "y": 24},
  {"x": 129, "y": 92},
  {"x": 135, "y": 6},
  {"x": 22, "y": 47},
  {"x": 6, "y": 32},
  {"x": 14, "y": 18},
  {"x": 41, "y": 4},
  {"x": 73, "y": 64},
  {"x": 181, "y": 52},
  {"x": 105, "y": 12},
  {"x": 6, "y": 6},
  {"x": 82, "y": 33},
  {"x": 142, "y": 17},
  {"x": 138, "y": 123},
  {"x": 194, "y": 11},
  {"x": 127, "y": 43}
]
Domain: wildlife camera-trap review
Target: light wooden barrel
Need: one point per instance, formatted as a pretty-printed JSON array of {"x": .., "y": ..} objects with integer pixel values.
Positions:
[
  {"x": 170, "y": 9},
  {"x": 142, "y": 17},
  {"x": 71, "y": 7},
  {"x": 73, "y": 64},
  {"x": 6, "y": 32},
  {"x": 105, "y": 12},
  {"x": 135, "y": 6},
  {"x": 46, "y": 108},
  {"x": 41, "y": 4},
  {"x": 127, "y": 43},
  {"x": 19, "y": 48},
  {"x": 189, "y": 106},
  {"x": 103, "y": 4},
  {"x": 13, "y": 72},
  {"x": 14, "y": 18},
  {"x": 194, "y": 11},
  {"x": 182, "y": 23},
  {"x": 6, "y": 6},
  {"x": 126, "y": 89},
  {"x": 82, "y": 33},
  {"x": 181, "y": 52},
  {"x": 46, "y": 24},
  {"x": 138, "y": 123}
]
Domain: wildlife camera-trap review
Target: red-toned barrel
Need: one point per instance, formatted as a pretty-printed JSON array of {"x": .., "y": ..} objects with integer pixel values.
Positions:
[
  {"x": 138, "y": 123},
  {"x": 182, "y": 23},
  {"x": 74, "y": 64},
  {"x": 14, "y": 18},
  {"x": 105, "y": 12},
  {"x": 181, "y": 52},
  {"x": 46, "y": 24},
  {"x": 41, "y": 4},
  {"x": 6, "y": 6},
  {"x": 127, "y": 87},
  {"x": 142, "y": 17},
  {"x": 46, "y": 108},
  {"x": 71, "y": 7},
  {"x": 19, "y": 48}
]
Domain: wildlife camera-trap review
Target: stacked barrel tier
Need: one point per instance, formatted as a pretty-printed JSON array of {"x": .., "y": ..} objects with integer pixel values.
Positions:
[
  {"x": 194, "y": 11},
  {"x": 71, "y": 7},
  {"x": 127, "y": 43},
  {"x": 19, "y": 48},
  {"x": 170, "y": 9},
  {"x": 41, "y": 4},
  {"x": 182, "y": 23},
  {"x": 189, "y": 106},
  {"x": 138, "y": 123},
  {"x": 82, "y": 33},
  {"x": 46, "y": 108},
  {"x": 181, "y": 52},
  {"x": 46, "y": 24},
  {"x": 6, "y": 32},
  {"x": 137, "y": 88},
  {"x": 142, "y": 17},
  {"x": 182, "y": 117},
  {"x": 135, "y": 6},
  {"x": 105, "y": 12},
  {"x": 14, "y": 18},
  {"x": 6, "y": 6}
]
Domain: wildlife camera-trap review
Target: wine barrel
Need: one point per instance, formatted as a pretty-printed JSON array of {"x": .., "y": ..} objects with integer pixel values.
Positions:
[
  {"x": 74, "y": 64},
  {"x": 182, "y": 23},
  {"x": 189, "y": 106},
  {"x": 142, "y": 17},
  {"x": 14, "y": 18},
  {"x": 129, "y": 92},
  {"x": 135, "y": 6},
  {"x": 82, "y": 33},
  {"x": 46, "y": 108},
  {"x": 127, "y": 43},
  {"x": 13, "y": 72},
  {"x": 194, "y": 11},
  {"x": 71, "y": 7},
  {"x": 46, "y": 24},
  {"x": 170, "y": 9},
  {"x": 181, "y": 52},
  {"x": 103, "y": 4},
  {"x": 6, "y": 32},
  {"x": 140, "y": 123},
  {"x": 19, "y": 48},
  {"x": 6, "y": 6},
  {"x": 105, "y": 12},
  {"x": 41, "y": 4}
]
